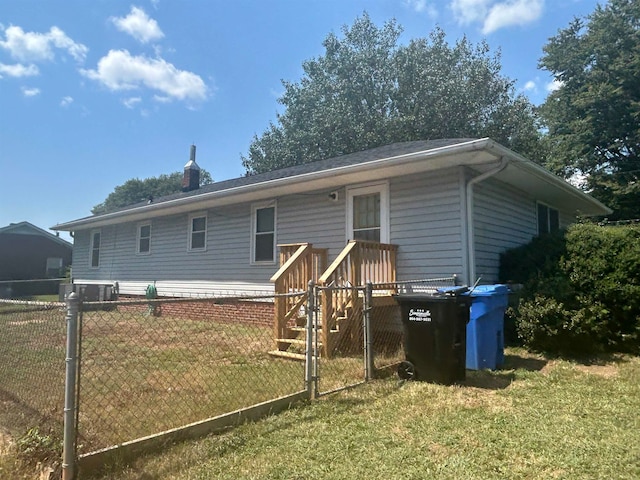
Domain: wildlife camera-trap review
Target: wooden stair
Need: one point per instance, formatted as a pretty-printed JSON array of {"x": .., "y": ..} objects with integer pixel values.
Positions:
[
  {"x": 338, "y": 299},
  {"x": 293, "y": 347}
]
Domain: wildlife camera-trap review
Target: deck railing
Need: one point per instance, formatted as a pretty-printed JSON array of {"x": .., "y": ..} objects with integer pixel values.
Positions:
[
  {"x": 358, "y": 263},
  {"x": 299, "y": 263}
]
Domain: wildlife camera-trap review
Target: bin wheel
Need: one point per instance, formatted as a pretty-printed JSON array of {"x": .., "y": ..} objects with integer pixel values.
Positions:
[{"x": 406, "y": 371}]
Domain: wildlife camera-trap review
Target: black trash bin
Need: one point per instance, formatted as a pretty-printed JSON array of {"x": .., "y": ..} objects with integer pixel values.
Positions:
[{"x": 435, "y": 330}]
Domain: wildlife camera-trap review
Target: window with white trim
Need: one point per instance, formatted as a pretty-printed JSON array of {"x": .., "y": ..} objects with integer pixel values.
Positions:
[
  {"x": 548, "y": 219},
  {"x": 367, "y": 213},
  {"x": 144, "y": 239},
  {"x": 263, "y": 244},
  {"x": 198, "y": 232},
  {"x": 94, "y": 248}
]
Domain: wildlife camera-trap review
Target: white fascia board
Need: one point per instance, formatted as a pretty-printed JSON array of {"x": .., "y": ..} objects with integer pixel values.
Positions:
[
  {"x": 467, "y": 153},
  {"x": 532, "y": 173}
]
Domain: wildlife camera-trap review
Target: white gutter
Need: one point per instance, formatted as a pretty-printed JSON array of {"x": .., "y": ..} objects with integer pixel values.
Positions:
[
  {"x": 471, "y": 251},
  {"x": 169, "y": 206}
]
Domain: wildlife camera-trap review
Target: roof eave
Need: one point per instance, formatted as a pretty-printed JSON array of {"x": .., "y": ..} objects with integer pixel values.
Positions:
[
  {"x": 585, "y": 203},
  {"x": 246, "y": 192}
]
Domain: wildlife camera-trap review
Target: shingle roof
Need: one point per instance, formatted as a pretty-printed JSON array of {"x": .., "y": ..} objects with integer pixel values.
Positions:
[
  {"x": 26, "y": 228},
  {"x": 387, "y": 151}
]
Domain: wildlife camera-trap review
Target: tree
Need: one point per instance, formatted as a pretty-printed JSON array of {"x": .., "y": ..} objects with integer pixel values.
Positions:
[
  {"x": 136, "y": 190},
  {"x": 594, "y": 116},
  {"x": 368, "y": 90}
]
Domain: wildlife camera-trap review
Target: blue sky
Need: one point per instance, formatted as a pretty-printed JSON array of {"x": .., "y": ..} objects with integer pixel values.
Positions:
[{"x": 93, "y": 93}]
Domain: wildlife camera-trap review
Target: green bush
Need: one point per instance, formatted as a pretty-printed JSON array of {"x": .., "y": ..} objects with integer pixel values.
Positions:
[{"x": 581, "y": 290}]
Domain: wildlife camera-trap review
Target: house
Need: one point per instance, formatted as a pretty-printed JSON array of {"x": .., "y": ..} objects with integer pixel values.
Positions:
[
  {"x": 406, "y": 211},
  {"x": 448, "y": 206},
  {"x": 28, "y": 252}
]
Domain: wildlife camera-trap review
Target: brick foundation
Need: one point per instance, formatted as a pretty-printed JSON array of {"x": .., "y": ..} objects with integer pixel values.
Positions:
[{"x": 241, "y": 311}]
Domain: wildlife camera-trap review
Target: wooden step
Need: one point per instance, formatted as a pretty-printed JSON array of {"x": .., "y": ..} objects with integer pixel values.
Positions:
[
  {"x": 293, "y": 341},
  {"x": 288, "y": 355},
  {"x": 303, "y": 329}
]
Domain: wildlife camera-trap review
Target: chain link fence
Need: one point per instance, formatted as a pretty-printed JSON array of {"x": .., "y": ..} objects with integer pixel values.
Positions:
[
  {"x": 145, "y": 368},
  {"x": 32, "y": 366}
]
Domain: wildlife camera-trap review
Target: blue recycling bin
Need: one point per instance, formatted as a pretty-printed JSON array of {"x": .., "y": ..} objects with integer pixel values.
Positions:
[{"x": 485, "y": 330}]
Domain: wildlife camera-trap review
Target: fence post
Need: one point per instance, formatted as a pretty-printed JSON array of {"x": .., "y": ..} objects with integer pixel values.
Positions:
[
  {"x": 368, "y": 336},
  {"x": 69, "y": 438},
  {"x": 311, "y": 341}
]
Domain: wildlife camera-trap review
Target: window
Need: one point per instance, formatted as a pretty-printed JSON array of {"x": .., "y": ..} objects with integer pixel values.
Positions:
[
  {"x": 264, "y": 234},
  {"x": 366, "y": 217},
  {"x": 144, "y": 239},
  {"x": 367, "y": 213},
  {"x": 548, "y": 219},
  {"x": 95, "y": 249},
  {"x": 198, "y": 232},
  {"x": 54, "y": 267}
]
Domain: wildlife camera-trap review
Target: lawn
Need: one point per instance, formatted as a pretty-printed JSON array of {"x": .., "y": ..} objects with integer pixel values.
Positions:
[{"x": 536, "y": 418}]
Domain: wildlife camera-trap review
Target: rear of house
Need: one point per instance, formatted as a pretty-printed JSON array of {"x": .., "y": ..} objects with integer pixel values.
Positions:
[{"x": 449, "y": 206}]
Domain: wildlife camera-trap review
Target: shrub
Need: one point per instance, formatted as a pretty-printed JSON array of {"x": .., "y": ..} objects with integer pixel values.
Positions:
[
  {"x": 545, "y": 324},
  {"x": 581, "y": 290}
]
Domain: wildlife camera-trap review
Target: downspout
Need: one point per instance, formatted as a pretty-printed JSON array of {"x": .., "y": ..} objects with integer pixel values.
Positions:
[{"x": 471, "y": 250}]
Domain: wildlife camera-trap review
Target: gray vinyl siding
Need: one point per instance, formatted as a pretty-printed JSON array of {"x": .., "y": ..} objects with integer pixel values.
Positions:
[
  {"x": 226, "y": 258},
  {"x": 426, "y": 221},
  {"x": 424, "y": 217},
  {"x": 300, "y": 218},
  {"x": 504, "y": 218},
  {"x": 426, "y": 224},
  {"x": 314, "y": 218}
]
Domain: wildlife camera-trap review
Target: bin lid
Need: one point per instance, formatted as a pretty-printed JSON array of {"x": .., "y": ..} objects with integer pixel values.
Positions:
[
  {"x": 478, "y": 291},
  {"x": 489, "y": 290},
  {"x": 424, "y": 297}
]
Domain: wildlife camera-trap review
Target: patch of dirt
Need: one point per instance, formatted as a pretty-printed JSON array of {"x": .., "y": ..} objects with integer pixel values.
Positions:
[
  {"x": 5, "y": 442},
  {"x": 609, "y": 370},
  {"x": 550, "y": 365},
  {"x": 605, "y": 370}
]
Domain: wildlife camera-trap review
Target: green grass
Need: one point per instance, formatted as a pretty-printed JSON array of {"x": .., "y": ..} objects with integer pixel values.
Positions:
[{"x": 537, "y": 418}]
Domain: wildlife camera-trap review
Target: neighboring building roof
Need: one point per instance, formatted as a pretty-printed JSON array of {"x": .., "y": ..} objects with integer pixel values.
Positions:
[
  {"x": 26, "y": 228},
  {"x": 377, "y": 163}
]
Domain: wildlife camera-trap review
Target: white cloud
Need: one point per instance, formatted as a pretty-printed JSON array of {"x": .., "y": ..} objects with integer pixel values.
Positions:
[
  {"x": 131, "y": 102},
  {"x": 530, "y": 86},
  {"x": 139, "y": 25},
  {"x": 470, "y": 11},
  {"x": 19, "y": 70},
  {"x": 554, "y": 85},
  {"x": 30, "y": 92},
  {"x": 37, "y": 47},
  {"x": 517, "y": 12},
  {"x": 494, "y": 15},
  {"x": 119, "y": 70},
  {"x": 66, "y": 101},
  {"x": 422, "y": 6}
]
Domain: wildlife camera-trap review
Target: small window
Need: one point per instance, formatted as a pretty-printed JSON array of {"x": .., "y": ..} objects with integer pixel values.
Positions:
[
  {"x": 54, "y": 267},
  {"x": 264, "y": 234},
  {"x": 548, "y": 219},
  {"x": 95, "y": 249},
  {"x": 144, "y": 239},
  {"x": 197, "y": 233}
]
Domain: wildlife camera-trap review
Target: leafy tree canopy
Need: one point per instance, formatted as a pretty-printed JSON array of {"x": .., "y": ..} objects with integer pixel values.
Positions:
[
  {"x": 367, "y": 90},
  {"x": 136, "y": 190},
  {"x": 594, "y": 116}
]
